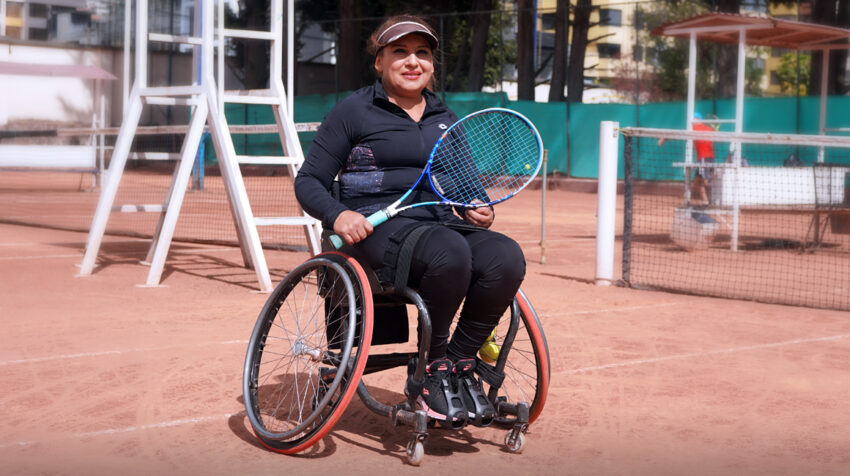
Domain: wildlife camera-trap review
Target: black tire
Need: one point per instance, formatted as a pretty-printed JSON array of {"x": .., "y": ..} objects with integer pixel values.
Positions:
[{"x": 307, "y": 353}]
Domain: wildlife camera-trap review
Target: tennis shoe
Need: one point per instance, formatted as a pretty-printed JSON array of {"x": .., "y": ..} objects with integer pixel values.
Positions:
[
  {"x": 441, "y": 398},
  {"x": 480, "y": 410}
]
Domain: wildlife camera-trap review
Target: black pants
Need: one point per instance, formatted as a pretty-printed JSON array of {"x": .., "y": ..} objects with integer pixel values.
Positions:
[{"x": 484, "y": 267}]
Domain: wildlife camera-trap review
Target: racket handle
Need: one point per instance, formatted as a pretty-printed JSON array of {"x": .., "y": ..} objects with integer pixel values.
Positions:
[
  {"x": 375, "y": 219},
  {"x": 336, "y": 241}
]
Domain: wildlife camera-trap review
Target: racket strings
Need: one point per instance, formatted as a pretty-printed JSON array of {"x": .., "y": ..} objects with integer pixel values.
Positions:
[{"x": 486, "y": 158}]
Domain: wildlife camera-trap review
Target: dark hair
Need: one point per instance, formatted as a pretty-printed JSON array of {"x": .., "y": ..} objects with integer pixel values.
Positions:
[{"x": 373, "y": 48}]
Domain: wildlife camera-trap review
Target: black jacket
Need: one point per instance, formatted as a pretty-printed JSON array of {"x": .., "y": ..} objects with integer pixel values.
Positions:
[{"x": 378, "y": 152}]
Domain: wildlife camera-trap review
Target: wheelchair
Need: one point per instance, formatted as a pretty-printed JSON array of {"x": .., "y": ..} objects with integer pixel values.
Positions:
[{"x": 316, "y": 338}]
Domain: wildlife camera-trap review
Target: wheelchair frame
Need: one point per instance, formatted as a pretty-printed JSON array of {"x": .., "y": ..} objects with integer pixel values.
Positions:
[{"x": 311, "y": 343}]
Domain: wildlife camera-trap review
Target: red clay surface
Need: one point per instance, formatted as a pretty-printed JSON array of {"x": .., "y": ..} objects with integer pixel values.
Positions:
[{"x": 103, "y": 377}]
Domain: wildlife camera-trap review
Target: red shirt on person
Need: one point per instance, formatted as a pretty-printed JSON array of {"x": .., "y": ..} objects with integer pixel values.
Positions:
[{"x": 705, "y": 148}]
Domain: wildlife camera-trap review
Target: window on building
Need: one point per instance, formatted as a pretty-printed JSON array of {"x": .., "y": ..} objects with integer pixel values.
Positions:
[
  {"x": 39, "y": 34},
  {"x": 548, "y": 21},
  {"x": 14, "y": 19},
  {"x": 774, "y": 78},
  {"x": 38, "y": 10},
  {"x": 14, "y": 10},
  {"x": 608, "y": 50},
  {"x": 80, "y": 18},
  {"x": 610, "y": 17}
]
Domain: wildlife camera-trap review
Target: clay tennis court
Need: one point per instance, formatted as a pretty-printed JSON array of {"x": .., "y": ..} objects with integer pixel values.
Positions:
[{"x": 103, "y": 377}]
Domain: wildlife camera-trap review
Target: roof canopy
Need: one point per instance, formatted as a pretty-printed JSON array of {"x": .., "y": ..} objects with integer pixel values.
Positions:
[
  {"x": 761, "y": 31},
  {"x": 56, "y": 70}
]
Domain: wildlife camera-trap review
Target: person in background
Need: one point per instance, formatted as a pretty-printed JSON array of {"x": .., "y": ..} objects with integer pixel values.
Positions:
[{"x": 705, "y": 154}]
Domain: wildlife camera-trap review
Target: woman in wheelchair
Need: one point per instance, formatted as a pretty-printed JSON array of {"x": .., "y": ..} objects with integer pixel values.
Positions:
[{"x": 377, "y": 141}]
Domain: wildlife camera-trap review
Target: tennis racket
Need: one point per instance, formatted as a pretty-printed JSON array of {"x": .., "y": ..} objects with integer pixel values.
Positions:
[{"x": 483, "y": 159}]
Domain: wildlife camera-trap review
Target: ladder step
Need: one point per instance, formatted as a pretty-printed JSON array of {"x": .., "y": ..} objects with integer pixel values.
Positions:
[
  {"x": 266, "y": 160},
  {"x": 248, "y": 99},
  {"x": 268, "y": 221},
  {"x": 250, "y": 34},
  {"x": 138, "y": 208},
  {"x": 171, "y": 91},
  {"x": 166, "y": 101},
  {"x": 181, "y": 39}
]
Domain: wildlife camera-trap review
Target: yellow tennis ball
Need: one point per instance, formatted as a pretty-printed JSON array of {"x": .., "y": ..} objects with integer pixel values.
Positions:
[
  {"x": 489, "y": 352},
  {"x": 527, "y": 166}
]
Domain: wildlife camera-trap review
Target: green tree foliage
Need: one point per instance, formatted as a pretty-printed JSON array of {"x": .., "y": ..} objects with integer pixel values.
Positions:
[
  {"x": 669, "y": 57},
  {"x": 787, "y": 73},
  {"x": 716, "y": 64}
]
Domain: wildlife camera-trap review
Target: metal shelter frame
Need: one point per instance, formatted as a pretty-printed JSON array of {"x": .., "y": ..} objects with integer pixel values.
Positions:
[
  {"x": 744, "y": 31},
  {"x": 207, "y": 100}
]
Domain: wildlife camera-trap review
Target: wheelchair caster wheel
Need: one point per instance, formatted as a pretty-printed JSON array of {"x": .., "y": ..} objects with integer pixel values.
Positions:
[
  {"x": 416, "y": 453},
  {"x": 515, "y": 442}
]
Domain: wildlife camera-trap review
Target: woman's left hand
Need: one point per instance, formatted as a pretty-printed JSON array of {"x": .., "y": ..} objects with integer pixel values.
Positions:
[{"x": 481, "y": 216}]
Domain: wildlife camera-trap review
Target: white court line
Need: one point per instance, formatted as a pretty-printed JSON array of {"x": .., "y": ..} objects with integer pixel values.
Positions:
[
  {"x": 705, "y": 354},
  {"x": 129, "y": 429},
  {"x": 113, "y": 352},
  {"x": 8, "y": 258},
  {"x": 166, "y": 424},
  {"x": 156, "y": 349},
  {"x": 602, "y": 311},
  {"x": 79, "y": 255}
]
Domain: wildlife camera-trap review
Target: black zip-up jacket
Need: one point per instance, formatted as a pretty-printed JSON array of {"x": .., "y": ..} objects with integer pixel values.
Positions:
[{"x": 378, "y": 152}]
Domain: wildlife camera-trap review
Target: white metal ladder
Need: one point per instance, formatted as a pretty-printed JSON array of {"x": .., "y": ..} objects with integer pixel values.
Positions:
[
  {"x": 275, "y": 97},
  {"x": 207, "y": 109}
]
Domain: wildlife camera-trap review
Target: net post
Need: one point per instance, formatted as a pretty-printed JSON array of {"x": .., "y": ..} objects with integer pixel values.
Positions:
[
  {"x": 606, "y": 202},
  {"x": 543, "y": 207}
]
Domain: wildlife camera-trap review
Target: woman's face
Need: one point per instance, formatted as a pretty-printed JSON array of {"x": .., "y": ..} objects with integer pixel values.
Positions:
[{"x": 405, "y": 66}]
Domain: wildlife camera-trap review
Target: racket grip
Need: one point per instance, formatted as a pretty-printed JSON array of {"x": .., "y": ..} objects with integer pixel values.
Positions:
[
  {"x": 375, "y": 219},
  {"x": 336, "y": 241}
]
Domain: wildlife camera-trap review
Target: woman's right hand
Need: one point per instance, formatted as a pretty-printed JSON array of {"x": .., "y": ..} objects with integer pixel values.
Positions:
[{"x": 352, "y": 226}]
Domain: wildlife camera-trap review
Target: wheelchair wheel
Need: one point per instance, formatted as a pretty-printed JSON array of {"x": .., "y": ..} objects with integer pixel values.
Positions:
[
  {"x": 307, "y": 352},
  {"x": 526, "y": 363}
]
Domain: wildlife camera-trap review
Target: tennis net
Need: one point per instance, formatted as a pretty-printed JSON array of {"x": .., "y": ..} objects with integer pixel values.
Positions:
[{"x": 767, "y": 220}]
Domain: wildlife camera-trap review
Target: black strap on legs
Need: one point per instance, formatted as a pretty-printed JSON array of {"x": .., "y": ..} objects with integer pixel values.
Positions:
[{"x": 399, "y": 252}]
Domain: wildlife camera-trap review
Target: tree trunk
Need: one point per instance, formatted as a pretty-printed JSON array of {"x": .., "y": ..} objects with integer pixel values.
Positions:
[
  {"x": 727, "y": 56},
  {"x": 460, "y": 65},
  {"x": 525, "y": 49},
  {"x": 839, "y": 60},
  {"x": 575, "y": 75},
  {"x": 348, "y": 46},
  {"x": 559, "y": 64},
  {"x": 823, "y": 13},
  {"x": 478, "y": 51},
  {"x": 256, "y": 57}
]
